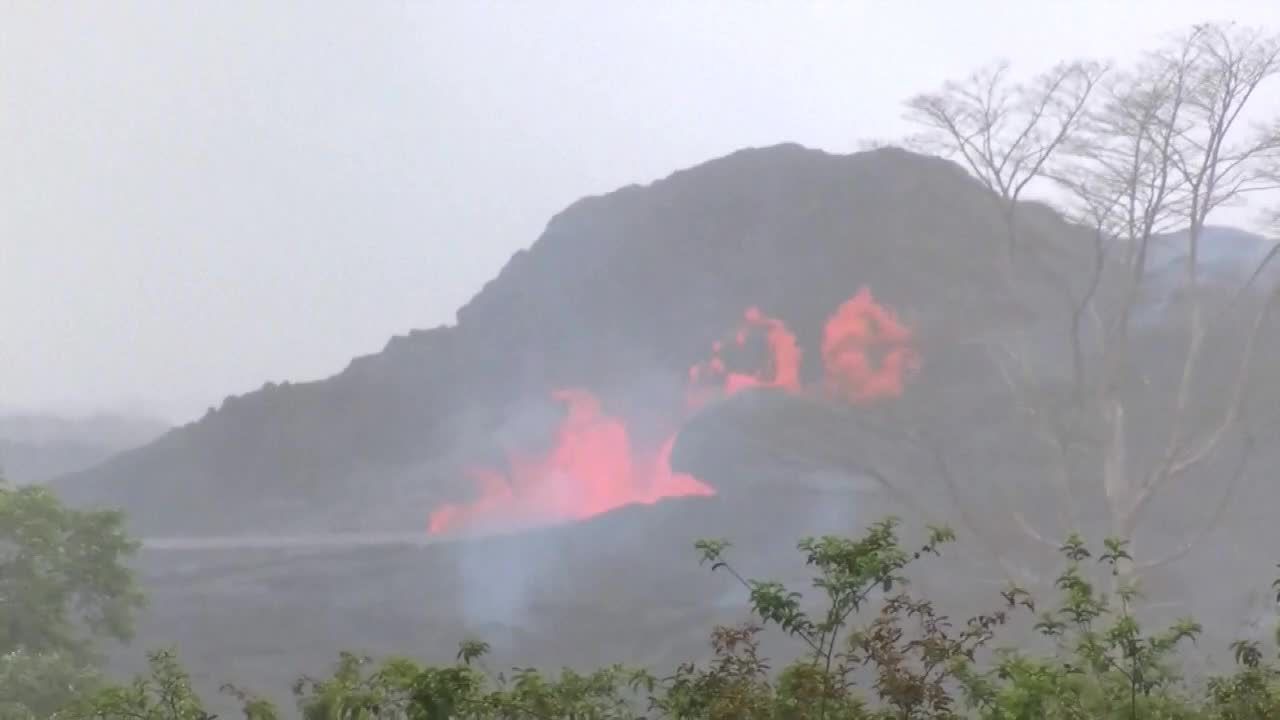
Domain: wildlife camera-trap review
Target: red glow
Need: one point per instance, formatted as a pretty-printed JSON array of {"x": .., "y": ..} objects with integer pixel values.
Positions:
[
  {"x": 867, "y": 351},
  {"x": 782, "y": 370},
  {"x": 591, "y": 469}
]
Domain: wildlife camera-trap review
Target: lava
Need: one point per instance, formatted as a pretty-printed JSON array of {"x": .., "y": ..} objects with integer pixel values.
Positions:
[
  {"x": 591, "y": 468},
  {"x": 782, "y": 371},
  {"x": 867, "y": 351}
]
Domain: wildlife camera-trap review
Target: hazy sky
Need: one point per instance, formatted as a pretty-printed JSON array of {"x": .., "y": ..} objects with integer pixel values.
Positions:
[{"x": 198, "y": 197}]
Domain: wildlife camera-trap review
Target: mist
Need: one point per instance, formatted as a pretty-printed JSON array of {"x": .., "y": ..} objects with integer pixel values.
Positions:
[
  {"x": 744, "y": 342},
  {"x": 228, "y": 194}
]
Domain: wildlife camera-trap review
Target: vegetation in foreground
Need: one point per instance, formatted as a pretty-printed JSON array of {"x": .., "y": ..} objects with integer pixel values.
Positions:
[
  {"x": 873, "y": 649},
  {"x": 1161, "y": 149}
]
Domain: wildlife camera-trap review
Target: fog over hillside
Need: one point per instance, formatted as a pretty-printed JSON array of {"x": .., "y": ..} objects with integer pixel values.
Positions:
[
  {"x": 328, "y": 487},
  {"x": 223, "y": 197},
  {"x": 621, "y": 295},
  {"x": 36, "y": 448},
  {"x": 768, "y": 361}
]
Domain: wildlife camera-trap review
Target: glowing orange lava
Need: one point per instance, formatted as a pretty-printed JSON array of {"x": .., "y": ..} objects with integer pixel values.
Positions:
[
  {"x": 782, "y": 371},
  {"x": 591, "y": 469},
  {"x": 867, "y": 351}
]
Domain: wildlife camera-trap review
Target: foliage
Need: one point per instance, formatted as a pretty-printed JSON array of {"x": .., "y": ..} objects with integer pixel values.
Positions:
[
  {"x": 906, "y": 661},
  {"x": 63, "y": 577},
  {"x": 401, "y": 688},
  {"x": 1105, "y": 665},
  {"x": 34, "y": 685},
  {"x": 913, "y": 671},
  {"x": 164, "y": 695},
  {"x": 64, "y": 583}
]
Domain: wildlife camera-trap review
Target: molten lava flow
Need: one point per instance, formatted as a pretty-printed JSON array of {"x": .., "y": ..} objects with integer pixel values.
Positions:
[
  {"x": 867, "y": 351},
  {"x": 782, "y": 371},
  {"x": 591, "y": 469}
]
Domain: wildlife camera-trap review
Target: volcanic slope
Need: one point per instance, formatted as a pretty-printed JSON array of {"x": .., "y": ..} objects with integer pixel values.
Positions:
[
  {"x": 621, "y": 295},
  {"x": 616, "y": 302}
]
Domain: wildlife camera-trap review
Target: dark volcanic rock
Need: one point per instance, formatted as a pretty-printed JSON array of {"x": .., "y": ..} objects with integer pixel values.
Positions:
[{"x": 633, "y": 284}]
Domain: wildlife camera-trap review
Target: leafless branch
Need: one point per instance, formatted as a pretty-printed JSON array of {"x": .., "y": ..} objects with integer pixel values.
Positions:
[
  {"x": 1145, "y": 156},
  {"x": 1228, "y": 69},
  {"x": 1215, "y": 516},
  {"x": 1006, "y": 133}
]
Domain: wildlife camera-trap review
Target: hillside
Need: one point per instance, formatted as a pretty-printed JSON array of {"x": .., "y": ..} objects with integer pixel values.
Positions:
[
  {"x": 620, "y": 295},
  {"x": 35, "y": 448},
  {"x": 624, "y": 296}
]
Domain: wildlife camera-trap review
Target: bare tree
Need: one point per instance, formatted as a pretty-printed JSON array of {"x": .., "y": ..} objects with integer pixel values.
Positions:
[
  {"x": 1169, "y": 143},
  {"x": 1143, "y": 155},
  {"x": 1005, "y": 132}
]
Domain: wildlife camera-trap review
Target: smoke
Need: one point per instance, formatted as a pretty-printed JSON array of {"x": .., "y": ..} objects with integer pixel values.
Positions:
[{"x": 496, "y": 579}]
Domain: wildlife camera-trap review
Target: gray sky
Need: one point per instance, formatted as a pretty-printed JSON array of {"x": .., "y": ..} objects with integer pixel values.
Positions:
[{"x": 198, "y": 197}]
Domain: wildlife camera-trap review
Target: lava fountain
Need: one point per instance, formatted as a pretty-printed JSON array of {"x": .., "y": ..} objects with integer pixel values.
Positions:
[
  {"x": 592, "y": 467},
  {"x": 866, "y": 351}
]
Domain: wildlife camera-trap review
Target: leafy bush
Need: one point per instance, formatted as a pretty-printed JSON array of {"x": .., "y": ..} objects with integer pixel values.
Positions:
[
  {"x": 906, "y": 662},
  {"x": 64, "y": 584}
]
